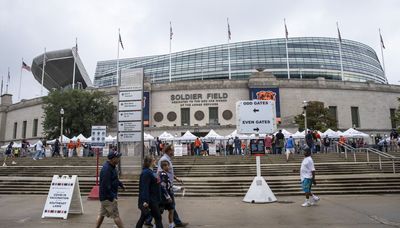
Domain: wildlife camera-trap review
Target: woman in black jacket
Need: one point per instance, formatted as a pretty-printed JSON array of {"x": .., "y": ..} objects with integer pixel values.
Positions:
[{"x": 149, "y": 193}]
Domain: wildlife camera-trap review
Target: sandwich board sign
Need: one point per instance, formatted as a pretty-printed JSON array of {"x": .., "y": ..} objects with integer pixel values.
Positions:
[{"x": 64, "y": 197}]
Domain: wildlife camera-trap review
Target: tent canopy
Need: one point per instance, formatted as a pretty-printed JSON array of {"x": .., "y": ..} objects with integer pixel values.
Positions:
[
  {"x": 330, "y": 133},
  {"x": 353, "y": 133},
  {"x": 236, "y": 134},
  {"x": 188, "y": 136},
  {"x": 166, "y": 136},
  {"x": 148, "y": 137},
  {"x": 212, "y": 135}
]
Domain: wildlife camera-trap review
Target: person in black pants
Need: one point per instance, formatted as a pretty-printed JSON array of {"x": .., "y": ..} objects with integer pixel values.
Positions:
[{"x": 149, "y": 194}]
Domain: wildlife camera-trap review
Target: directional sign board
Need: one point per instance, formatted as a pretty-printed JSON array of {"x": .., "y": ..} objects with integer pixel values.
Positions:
[
  {"x": 256, "y": 116},
  {"x": 135, "y": 136},
  {"x": 99, "y": 136},
  {"x": 130, "y": 106},
  {"x": 130, "y": 126}
]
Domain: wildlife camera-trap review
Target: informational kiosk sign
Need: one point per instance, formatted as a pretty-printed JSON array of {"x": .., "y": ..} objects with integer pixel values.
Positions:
[
  {"x": 130, "y": 106},
  {"x": 99, "y": 134},
  {"x": 256, "y": 116},
  {"x": 64, "y": 198}
]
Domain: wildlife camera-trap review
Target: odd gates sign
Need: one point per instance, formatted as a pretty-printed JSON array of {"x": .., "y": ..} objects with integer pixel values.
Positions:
[{"x": 256, "y": 116}]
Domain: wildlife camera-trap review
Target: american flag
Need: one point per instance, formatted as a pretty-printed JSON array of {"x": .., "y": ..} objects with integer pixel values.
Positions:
[
  {"x": 286, "y": 31},
  {"x": 120, "y": 41},
  {"x": 25, "y": 66},
  {"x": 380, "y": 35},
  {"x": 229, "y": 29},
  {"x": 170, "y": 31},
  {"x": 338, "y": 31}
]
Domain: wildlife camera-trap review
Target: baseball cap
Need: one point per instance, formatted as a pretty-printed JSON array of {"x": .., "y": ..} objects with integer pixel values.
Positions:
[{"x": 113, "y": 154}]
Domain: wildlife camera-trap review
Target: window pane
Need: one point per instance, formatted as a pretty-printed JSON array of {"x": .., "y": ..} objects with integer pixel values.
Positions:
[{"x": 355, "y": 118}]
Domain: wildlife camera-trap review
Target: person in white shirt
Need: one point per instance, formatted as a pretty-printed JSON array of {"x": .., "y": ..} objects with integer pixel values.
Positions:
[
  {"x": 307, "y": 176},
  {"x": 39, "y": 148}
]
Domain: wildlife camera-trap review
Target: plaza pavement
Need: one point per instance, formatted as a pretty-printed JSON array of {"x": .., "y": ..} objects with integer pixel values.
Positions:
[{"x": 332, "y": 211}]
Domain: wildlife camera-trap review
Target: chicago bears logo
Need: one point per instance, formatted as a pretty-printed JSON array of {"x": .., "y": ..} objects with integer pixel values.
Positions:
[{"x": 266, "y": 95}]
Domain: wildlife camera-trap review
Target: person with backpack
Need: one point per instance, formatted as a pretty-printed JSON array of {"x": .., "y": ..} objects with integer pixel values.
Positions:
[{"x": 9, "y": 153}]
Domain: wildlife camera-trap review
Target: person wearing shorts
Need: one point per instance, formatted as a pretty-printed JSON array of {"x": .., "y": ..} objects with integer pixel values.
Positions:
[
  {"x": 307, "y": 176},
  {"x": 289, "y": 147},
  {"x": 108, "y": 190}
]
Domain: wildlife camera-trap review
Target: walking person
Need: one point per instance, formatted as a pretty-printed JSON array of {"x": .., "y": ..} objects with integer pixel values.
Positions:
[
  {"x": 9, "y": 153},
  {"x": 71, "y": 147},
  {"x": 280, "y": 141},
  {"x": 289, "y": 147},
  {"x": 39, "y": 148},
  {"x": 326, "y": 143},
  {"x": 56, "y": 149},
  {"x": 310, "y": 141},
  {"x": 268, "y": 143},
  {"x": 168, "y": 154},
  {"x": 108, "y": 190},
  {"x": 238, "y": 146},
  {"x": 307, "y": 176},
  {"x": 149, "y": 194},
  {"x": 197, "y": 145},
  {"x": 167, "y": 193}
]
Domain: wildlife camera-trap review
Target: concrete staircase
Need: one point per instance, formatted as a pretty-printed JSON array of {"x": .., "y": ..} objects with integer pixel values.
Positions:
[{"x": 217, "y": 176}]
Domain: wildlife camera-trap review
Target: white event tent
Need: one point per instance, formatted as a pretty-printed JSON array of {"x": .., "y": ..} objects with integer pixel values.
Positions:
[
  {"x": 148, "y": 137},
  {"x": 353, "y": 133},
  {"x": 188, "y": 136},
  {"x": 166, "y": 136},
  {"x": 212, "y": 135},
  {"x": 331, "y": 134},
  {"x": 286, "y": 133},
  {"x": 235, "y": 134}
]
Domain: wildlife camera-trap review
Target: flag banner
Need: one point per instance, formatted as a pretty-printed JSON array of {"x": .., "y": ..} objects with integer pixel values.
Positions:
[
  {"x": 286, "y": 30},
  {"x": 170, "y": 31},
  {"x": 8, "y": 77},
  {"x": 229, "y": 30},
  {"x": 338, "y": 31},
  {"x": 383, "y": 44},
  {"x": 25, "y": 66},
  {"x": 120, "y": 41}
]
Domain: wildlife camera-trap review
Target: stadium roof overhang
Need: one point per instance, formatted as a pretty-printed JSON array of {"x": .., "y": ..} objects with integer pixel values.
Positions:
[{"x": 58, "y": 69}]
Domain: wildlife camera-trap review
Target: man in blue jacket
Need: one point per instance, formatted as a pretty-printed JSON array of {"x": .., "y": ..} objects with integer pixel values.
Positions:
[{"x": 108, "y": 190}]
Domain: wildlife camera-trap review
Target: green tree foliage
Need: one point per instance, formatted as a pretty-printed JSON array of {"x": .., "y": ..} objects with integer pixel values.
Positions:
[
  {"x": 82, "y": 110},
  {"x": 318, "y": 117}
]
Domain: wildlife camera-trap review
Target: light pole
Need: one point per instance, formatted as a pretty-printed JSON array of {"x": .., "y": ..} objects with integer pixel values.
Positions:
[
  {"x": 305, "y": 103},
  {"x": 61, "y": 131}
]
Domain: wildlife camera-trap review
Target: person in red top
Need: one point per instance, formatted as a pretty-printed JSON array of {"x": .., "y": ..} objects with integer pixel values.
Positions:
[
  {"x": 268, "y": 143},
  {"x": 71, "y": 147},
  {"x": 197, "y": 145}
]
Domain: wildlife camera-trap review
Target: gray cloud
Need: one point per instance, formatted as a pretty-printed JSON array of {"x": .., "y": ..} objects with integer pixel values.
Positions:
[{"x": 26, "y": 27}]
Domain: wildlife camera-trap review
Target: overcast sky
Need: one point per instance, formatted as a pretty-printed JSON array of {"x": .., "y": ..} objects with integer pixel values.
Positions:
[{"x": 26, "y": 27}]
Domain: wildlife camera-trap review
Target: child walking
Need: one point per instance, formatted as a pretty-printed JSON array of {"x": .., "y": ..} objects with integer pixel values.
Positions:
[{"x": 167, "y": 197}]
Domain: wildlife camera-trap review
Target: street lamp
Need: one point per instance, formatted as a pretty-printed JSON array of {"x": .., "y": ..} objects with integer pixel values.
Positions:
[
  {"x": 305, "y": 103},
  {"x": 61, "y": 130}
]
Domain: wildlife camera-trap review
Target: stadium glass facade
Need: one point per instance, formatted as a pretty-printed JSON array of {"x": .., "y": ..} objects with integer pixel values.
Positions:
[{"x": 309, "y": 57}]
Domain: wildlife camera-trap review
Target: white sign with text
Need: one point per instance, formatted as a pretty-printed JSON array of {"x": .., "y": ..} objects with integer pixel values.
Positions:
[
  {"x": 64, "y": 197},
  {"x": 256, "y": 116}
]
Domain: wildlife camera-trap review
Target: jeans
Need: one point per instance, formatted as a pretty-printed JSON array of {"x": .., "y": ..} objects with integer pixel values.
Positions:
[
  {"x": 38, "y": 154},
  {"x": 197, "y": 150},
  {"x": 238, "y": 150},
  {"x": 177, "y": 220},
  {"x": 152, "y": 211}
]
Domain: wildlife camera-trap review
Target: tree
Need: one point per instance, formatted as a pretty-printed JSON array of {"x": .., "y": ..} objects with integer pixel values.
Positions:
[
  {"x": 82, "y": 110},
  {"x": 318, "y": 117}
]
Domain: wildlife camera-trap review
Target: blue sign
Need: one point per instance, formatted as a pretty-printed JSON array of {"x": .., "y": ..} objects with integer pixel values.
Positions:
[
  {"x": 146, "y": 108},
  {"x": 267, "y": 94}
]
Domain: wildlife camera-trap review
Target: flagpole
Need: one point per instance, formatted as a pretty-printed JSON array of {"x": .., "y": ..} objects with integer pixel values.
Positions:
[
  {"x": 229, "y": 50},
  {"x": 287, "y": 50},
  {"x": 170, "y": 57},
  {"x": 2, "y": 78},
  {"x": 73, "y": 73},
  {"x": 43, "y": 68},
  {"x": 119, "y": 34},
  {"x": 8, "y": 80},
  {"x": 340, "y": 52},
  {"x": 20, "y": 81},
  {"x": 383, "y": 59}
]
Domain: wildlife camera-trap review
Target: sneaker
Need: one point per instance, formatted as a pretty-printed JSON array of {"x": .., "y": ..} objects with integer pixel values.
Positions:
[
  {"x": 315, "y": 198},
  {"x": 34, "y": 159},
  {"x": 306, "y": 203},
  {"x": 183, "y": 224},
  {"x": 171, "y": 225},
  {"x": 4, "y": 164},
  {"x": 13, "y": 162},
  {"x": 149, "y": 225}
]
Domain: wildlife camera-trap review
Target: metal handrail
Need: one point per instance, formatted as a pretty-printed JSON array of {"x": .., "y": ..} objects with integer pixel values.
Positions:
[{"x": 368, "y": 150}]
